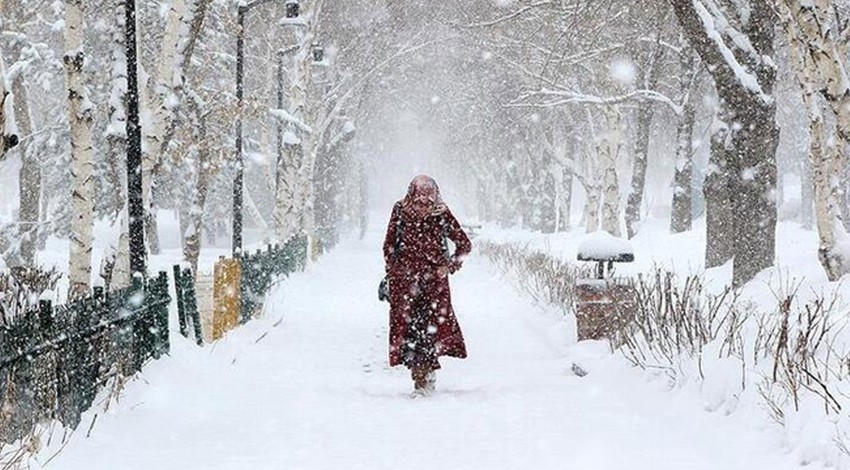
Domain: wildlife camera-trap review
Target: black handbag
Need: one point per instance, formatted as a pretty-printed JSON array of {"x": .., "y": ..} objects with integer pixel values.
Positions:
[{"x": 384, "y": 289}]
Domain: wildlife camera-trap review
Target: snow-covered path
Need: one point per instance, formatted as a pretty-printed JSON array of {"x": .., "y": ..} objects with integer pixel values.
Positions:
[{"x": 307, "y": 387}]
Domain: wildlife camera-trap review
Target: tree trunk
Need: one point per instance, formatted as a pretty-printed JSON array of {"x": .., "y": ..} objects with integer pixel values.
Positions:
[
  {"x": 286, "y": 218},
  {"x": 29, "y": 177},
  {"x": 754, "y": 203},
  {"x": 746, "y": 94},
  {"x": 644, "y": 121},
  {"x": 610, "y": 182},
  {"x": 681, "y": 217},
  {"x": 591, "y": 206},
  {"x": 163, "y": 87},
  {"x": 80, "y": 119},
  {"x": 807, "y": 218},
  {"x": 565, "y": 211},
  {"x": 121, "y": 269},
  {"x": 817, "y": 61},
  {"x": 717, "y": 189},
  {"x": 193, "y": 235},
  {"x": 116, "y": 131},
  {"x": 7, "y": 141}
]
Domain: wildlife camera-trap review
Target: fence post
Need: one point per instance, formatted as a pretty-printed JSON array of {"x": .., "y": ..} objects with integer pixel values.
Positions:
[
  {"x": 158, "y": 311},
  {"x": 191, "y": 305},
  {"x": 135, "y": 300},
  {"x": 44, "y": 389},
  {"x": 181, "y": 306}
]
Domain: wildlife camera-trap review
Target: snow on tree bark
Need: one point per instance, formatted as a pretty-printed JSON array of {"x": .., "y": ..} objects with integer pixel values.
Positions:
[
  {"x": 161, "y": 107},
  {"x": 818, "y": 64},
  {"x": 30, "y": 174},
  {"x": 116, "y": 130},
  {"x": 644, "y": 120},
  {"x": 294, "y": 206},
  {"x": 608, "y": 156},
  {"x": 7, "y": 140},
  {"x": 737, "y": 48},
  {"x": 80, "y": 119},
  {"x": 681, "y": 216}
]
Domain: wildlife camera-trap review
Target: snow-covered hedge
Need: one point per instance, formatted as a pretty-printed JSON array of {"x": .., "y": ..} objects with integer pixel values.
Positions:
[{"x": 789, "y": 363}]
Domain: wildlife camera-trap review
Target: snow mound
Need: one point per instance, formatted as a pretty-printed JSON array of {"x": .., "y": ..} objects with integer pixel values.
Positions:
[{"x": 602, "y": 246}]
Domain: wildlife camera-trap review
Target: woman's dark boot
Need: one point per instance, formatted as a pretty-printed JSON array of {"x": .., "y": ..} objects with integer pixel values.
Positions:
[{"x": 420, "y": 380}]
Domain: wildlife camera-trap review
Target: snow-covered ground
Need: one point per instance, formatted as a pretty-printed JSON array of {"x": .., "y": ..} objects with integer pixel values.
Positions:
[{"x": 308, "y": 387}]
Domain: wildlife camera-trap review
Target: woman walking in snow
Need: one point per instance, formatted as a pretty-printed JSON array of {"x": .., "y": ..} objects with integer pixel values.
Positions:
[{"x": 423, "y": 326}]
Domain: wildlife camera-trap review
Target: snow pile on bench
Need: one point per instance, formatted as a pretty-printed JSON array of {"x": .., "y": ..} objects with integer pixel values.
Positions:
[{"x": 602, "y": 246}]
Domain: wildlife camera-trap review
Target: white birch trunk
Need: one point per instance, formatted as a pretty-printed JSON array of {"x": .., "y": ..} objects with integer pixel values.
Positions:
[
  {"x": 6, "y": 141},
  {"x": 160, "y": 107},
  {"x": 817, "y": 60},
  {"x": 591, "y": 208},
  {"x": 80, "y": 120},
  {"x": 294, "y": 200},
  {"x": 121, "y": 270},
  {"x": 116, "y": 131},
  {"x": 609, "y": 152}
]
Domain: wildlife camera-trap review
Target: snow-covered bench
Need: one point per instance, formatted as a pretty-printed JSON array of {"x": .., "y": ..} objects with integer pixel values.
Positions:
[{"x": 603, "y": 304}]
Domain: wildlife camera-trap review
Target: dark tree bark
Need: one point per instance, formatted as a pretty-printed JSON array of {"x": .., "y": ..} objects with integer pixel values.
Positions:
[
  {"x": 681, "y": 217},
  {"x": 807, "y": 214},
  {"x": 566, "y": 202},
  {"x": 29, "y": 176},
  {"x": 649, "y": 80},
  {"x": 745, "y": 87},
  {"x": 717, "y": 190}
]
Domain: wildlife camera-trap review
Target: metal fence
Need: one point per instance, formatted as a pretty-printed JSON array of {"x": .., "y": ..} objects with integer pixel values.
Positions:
[
  {"x": 261, "y": 268},
  {"x": 54, "y": 360}
]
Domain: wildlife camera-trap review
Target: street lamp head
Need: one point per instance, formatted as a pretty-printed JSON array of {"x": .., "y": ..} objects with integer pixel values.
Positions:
[
  {"x": 318, "y": 52},
  {"x": 293, "y": 8}
]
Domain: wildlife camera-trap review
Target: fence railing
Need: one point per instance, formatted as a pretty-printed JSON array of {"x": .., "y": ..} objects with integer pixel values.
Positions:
[
  {"x": 53, "y": 360},
  {"x": 261, "y": 268}
]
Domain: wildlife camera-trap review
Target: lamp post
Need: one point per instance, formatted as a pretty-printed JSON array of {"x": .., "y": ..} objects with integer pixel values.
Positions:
[
  {"x": 292, "y": 8},
  {"x": 135, "y": 209}
]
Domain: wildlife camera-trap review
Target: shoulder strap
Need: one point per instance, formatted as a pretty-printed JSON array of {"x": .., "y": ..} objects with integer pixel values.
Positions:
[{"x": 399, "y": 230}]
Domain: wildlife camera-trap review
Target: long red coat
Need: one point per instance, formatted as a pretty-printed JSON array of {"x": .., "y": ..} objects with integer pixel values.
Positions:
[{"x": 414, "y": 280}]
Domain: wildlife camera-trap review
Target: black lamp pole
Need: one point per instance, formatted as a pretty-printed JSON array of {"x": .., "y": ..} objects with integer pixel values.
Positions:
[
  {"x": 240, "y": 164},
  {"x": 135, "y": 208}
]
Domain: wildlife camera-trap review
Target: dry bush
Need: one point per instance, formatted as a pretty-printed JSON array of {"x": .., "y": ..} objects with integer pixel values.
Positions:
[
  {"x": 801, "y": 343},
  {"x": 545, "y": 278},
  {"x": 673, "y": 319}
]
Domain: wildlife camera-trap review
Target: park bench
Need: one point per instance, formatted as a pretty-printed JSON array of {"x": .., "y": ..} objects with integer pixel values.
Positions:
[{"x": 603, "y": 303}]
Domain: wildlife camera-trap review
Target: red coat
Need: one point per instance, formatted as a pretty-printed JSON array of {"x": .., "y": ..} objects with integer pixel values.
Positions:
[{"x": 413, "y": 272}]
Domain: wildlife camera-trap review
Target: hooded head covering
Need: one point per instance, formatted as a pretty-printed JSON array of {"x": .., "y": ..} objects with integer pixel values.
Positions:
[{"x": 423, "y": 198}]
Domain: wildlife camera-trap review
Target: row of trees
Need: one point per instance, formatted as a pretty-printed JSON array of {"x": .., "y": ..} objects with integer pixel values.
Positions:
[
  {"x": 522, "y": 104},
  {"x": 587, "y": 92},
  {"x": 304, "y": 76}
]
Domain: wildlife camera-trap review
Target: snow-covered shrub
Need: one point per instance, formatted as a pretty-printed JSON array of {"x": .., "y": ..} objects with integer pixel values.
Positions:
[
  {"x": 790, "y": 360},
  {"x": 545, "y": 278},
  {"x": 21, "y": 288}
]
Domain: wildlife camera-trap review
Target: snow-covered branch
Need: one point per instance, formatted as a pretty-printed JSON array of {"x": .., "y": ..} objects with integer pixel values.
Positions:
[
  {"x": 570, "y": 97},
  {"x": 287, "y": 117}
]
